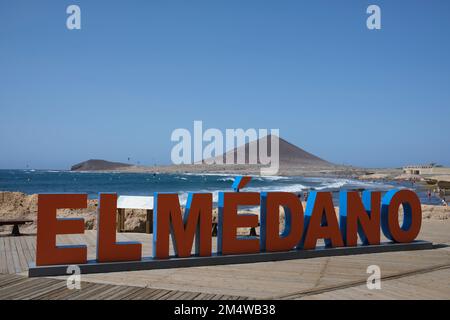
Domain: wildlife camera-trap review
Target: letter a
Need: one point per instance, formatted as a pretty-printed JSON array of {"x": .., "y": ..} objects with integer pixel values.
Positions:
[
  {"x": 74, "y": 20},
  {"x": 374, "y": 20}
]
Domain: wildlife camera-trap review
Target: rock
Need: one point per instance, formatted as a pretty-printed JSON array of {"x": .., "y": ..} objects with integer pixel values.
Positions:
[{"x": 98, "y": 165}]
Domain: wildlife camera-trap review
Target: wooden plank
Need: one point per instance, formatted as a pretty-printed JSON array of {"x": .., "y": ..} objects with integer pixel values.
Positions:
[
  {"x": 3, "y": 263},
  {"x": 143, "y": 295},
  {"x": 126, "y": 292},
  {"x": 54, "y": 294},
  {"x": 123, "y": 292},
  {"x": 10, "y": 222},
  {"x": 29, "y": 288},
  {"x": 158, "y": 294},
  {"x": 3, "y": 276},
  {"x": 28, "y": 254},
  {"x": 66, "y": 293},
  {"x": 19, "y": 287},
  {"x": 53, "y": 287},
  {"x": 120, "y": 218},
  {"x": 24, "y": 249},
  {"x": 10, "y": 256},
  {"x": 72, "y": 294},
  {"x": 9, "y": 280},
  {"x": 93, "y": 291},
  {"x": 7, "y": 253},
  {"x": 188, "y": 295},
  {"x": 208, "y": 296},
  {"x": 12, "y": 288},
  {"x": 31, "y": 242},
  {"x": 172, "y": 295},
  {"x": 201, "y": 296},
  {"x": 15, "y": 254},
  {"x": 111, "y": 290},
  {"x": 20, "y": 254}
]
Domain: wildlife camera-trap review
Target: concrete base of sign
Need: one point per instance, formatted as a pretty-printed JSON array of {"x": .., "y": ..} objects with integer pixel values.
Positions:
[{"x": 149, "y": 263}]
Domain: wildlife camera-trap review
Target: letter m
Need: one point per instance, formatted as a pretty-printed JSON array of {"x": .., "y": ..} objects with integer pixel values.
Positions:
[{"x": 196, "y": 222}]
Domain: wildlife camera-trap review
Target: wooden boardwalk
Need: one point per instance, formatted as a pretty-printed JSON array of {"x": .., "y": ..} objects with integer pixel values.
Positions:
[
  {"x": 16, "y": 253},
  {"x": 405, "y": 275},
  {"x": 14, "y": 287}
]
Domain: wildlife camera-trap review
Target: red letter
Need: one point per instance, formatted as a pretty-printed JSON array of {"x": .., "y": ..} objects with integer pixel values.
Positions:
[
  {"x": 321, "y": 221},
  {"x": 230, "y": 221},
  {"x": 197, "y": 222},
  {"x": 412, "y": 215},
  {"x": 271, "y": 240},
  {"x": 108, "y": 250},
  {"x": 48, "y": 226},
  {"x": 358, "y": 217}
]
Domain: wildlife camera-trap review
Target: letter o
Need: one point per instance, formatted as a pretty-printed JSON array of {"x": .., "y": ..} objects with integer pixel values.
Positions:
[{"x": 412, "y": 215}]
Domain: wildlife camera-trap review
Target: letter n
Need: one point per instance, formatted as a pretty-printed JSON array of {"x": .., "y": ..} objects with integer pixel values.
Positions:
[
  {"x": 196, "y": 221},
  {"x": 321, "y": 222},
  {"x": 360, "y": 217}
]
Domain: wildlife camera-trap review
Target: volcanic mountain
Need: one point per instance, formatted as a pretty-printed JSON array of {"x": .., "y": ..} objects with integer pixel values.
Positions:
[{"x": 289, "y": 154}]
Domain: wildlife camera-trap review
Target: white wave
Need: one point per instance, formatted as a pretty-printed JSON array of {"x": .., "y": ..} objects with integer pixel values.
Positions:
[
  {"x": 339, "y": 183},
  {"x": 334, "y": 185},
  {"x": 226, "y": 179},
  {"x": 297, "y": 187},
  {"x": 270, "y": 178},
  {"x": 287, "y": 188},
  {"x": 234, "y": 175},
  {"x": 203, "y": 174},
  {"x": 326, "y": 183},
  {"x": 184, "y": 195}
]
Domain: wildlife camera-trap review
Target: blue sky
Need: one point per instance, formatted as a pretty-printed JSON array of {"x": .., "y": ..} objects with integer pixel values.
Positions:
[{"x": 139, "y": 69}]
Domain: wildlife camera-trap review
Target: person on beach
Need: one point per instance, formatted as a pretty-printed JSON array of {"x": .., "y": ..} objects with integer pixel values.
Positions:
[
  {"x": 305, "y": 196},
  {"x": 429, "y": 195}
]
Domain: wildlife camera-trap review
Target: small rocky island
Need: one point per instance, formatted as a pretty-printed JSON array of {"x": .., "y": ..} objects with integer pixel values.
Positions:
[{"x": 99, "y": 165}]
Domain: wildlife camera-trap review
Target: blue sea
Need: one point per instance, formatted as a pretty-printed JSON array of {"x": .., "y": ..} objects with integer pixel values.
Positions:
[{"x": 92, "y": 183}]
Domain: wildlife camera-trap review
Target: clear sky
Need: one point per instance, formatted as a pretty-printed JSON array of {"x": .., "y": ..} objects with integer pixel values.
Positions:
[{"x": 137, "y": 70}]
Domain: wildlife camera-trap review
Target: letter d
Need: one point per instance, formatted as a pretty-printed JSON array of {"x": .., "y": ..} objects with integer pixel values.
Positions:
[{"x": 271, "y": 239}]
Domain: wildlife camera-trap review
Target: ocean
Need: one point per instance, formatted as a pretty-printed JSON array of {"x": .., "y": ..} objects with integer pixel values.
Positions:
[{"x": 141, "y": 184}]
